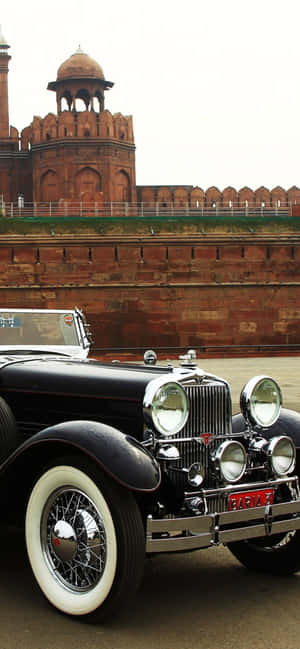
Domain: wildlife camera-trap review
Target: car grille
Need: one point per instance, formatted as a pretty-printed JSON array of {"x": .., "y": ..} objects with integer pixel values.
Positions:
[
  {"x": 210, "y": 415},
  {"x": 210, "y": 410}
]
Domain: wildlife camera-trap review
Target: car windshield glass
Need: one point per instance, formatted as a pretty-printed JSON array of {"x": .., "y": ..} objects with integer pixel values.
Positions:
[{"x": 21, "y": 328}]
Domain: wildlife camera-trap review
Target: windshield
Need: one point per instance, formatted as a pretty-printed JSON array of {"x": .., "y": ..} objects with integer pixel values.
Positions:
[{"x": 38, "y": 328}]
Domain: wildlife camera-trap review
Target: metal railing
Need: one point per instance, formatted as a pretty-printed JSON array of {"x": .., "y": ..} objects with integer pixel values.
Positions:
[
  {"x": 203, "y": 351},
  {"x": 81, "y": 209}
]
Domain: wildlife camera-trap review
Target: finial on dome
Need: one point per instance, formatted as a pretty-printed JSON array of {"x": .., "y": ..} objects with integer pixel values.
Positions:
[
  {"x": 3, "y": 41},
  {"x": 79, "y": 50}
]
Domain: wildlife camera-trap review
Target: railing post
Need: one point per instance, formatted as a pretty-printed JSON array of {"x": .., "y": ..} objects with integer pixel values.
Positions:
[
  {"x": 11, "y": 209},
  {"x": 50, "y": 208},
  {"x": 111, "y": 208},
  {"x": 142, "y": 209},
  {"x": 96, "y": 209},
  {"x": 80, "y": 208},
  {"x": 156, "y": 208},
  {"x": 126, "y": 208},
  {"x": 34, "y": 208}
]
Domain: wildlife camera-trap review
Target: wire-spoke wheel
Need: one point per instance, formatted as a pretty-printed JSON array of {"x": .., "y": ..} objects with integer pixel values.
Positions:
[{"x": 85, "y": 540}]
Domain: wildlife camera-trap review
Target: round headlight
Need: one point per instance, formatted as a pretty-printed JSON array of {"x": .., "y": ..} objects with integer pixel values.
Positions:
[
  {"x": 281, "y": 453},
  {"x": 169, "y": 408},
  {"x": 261, "y": 401},
  {"x": 231, "y": 460}
]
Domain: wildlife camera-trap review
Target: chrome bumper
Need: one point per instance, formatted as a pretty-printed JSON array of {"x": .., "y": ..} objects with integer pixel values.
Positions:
[{"x": 190, "y": 533}]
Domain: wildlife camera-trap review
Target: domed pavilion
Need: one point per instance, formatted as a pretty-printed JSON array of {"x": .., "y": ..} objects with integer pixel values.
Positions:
[{"x": 80, "y": 77}]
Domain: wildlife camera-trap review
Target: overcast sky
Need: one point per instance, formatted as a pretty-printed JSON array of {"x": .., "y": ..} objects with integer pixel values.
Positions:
[{"x": 213, "y": 85}]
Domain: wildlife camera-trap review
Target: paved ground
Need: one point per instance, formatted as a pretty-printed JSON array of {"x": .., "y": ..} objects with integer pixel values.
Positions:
[
  {"x": 204, "y": 599},
  {"x": 286, "y": 371}
]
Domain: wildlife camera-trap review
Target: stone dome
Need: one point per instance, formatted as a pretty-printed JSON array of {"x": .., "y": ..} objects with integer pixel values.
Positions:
[{"x": 79, "y": 66}]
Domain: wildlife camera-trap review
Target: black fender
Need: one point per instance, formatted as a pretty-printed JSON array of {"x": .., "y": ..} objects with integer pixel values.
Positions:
[
  {"x": 288, "y": 423},
  {"x": 119, "y": 455}
]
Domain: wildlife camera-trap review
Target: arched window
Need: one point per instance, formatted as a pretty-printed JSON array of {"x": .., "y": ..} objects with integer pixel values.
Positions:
[
  {"x": 122, "y": 186},
  {"x": 87, "y": 180}
]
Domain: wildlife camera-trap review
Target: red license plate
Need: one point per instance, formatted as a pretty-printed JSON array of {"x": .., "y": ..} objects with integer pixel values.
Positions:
[{"x": 249, "y": 499}]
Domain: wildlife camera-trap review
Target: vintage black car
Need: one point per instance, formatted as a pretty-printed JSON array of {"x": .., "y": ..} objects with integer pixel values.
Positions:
[{"x": 108, "y": 462}]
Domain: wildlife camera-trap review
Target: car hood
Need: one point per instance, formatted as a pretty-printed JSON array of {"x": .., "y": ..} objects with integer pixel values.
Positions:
[{"x": 59, "y": 375}]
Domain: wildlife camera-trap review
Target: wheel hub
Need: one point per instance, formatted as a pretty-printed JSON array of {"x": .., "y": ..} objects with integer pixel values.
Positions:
[
  {"x": 74, "y": 539},
  {"x": 64, "y": 541}
]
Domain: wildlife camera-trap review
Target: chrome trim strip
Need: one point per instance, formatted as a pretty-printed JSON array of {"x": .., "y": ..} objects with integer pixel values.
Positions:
[
  {"x": 248, "y": 486},
  {"x": 255, "y": 531}
]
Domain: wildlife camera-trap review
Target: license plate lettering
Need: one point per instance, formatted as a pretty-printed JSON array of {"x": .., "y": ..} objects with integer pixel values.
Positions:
[{"x": 250, "y": 499}]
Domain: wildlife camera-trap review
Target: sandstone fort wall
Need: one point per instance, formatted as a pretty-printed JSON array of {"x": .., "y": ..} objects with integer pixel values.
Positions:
[{"x": 162, "y": 294}]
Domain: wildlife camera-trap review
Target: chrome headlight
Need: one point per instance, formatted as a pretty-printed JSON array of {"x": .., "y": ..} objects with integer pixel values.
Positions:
[
  {"x": 261, "y": 401},
  {"x": 231, "y": 460},
  {"x": 281, "y": 455},
  {"x": 166, "y": 406}
]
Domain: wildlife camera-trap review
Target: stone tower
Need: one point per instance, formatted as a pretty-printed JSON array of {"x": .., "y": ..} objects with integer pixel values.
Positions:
[
  {"x": 4, "y": 60},
  {"x": 81, "y": 153},
  {"x": 86, "y": 155}
]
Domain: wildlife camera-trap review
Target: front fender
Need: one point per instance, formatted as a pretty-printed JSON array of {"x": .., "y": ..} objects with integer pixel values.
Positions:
[
  {"x": 288, "y": 423},
  {"x": 119, "y": 455}
]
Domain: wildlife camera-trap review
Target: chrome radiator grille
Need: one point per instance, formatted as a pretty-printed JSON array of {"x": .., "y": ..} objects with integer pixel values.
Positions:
[
  {"x": 210, "y": 413},
  {"x": 210, "y": 410}
]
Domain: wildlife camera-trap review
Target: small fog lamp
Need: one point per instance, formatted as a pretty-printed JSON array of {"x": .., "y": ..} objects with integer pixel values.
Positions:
[
  {"x": 230, "y": 460},
  {"x": 281, "y": 454}
]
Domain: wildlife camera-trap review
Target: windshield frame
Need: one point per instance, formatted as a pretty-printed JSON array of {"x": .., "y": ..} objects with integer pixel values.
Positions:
[{"x": 79, "y": 350}]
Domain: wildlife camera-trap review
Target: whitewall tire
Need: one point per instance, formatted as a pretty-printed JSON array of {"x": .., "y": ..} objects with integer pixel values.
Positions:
[{"x": 83, "y": 539}]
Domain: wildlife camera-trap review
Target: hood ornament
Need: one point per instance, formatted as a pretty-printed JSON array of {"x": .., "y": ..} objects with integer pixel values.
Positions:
[{"x": 189, "y": 359}]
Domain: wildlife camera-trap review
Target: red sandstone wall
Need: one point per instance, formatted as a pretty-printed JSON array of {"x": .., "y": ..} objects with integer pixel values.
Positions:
[{"x": 163, "y": 295}]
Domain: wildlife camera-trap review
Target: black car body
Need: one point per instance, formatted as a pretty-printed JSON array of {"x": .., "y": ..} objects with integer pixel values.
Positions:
[{"x": 112, "y": 461}]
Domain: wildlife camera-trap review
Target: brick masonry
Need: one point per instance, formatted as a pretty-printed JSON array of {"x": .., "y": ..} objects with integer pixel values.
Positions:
[{"x": 154, "y": 295}]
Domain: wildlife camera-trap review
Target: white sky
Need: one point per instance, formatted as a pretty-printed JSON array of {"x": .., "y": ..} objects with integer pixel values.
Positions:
[{"x": 213, "y": 85}]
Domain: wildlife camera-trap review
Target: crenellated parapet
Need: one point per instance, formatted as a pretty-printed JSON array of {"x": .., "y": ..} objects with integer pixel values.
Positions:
[
  {"x": 213, "y": 197},
  {"x": 84, "y": 124}
]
